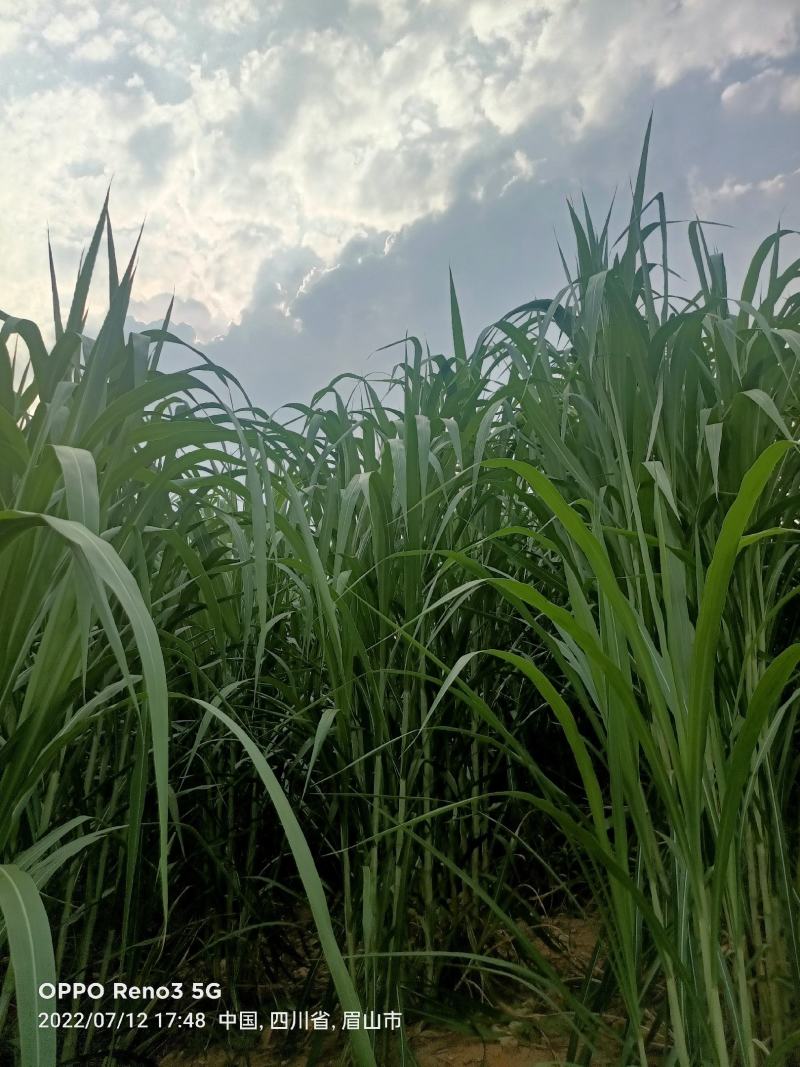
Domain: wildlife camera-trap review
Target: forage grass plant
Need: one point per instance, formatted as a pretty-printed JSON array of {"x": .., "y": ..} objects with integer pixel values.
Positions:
[
  {"x": 134, "y": 577},
  {"x": 507, "y": 634},
  {"x": 663, "y": 464}
]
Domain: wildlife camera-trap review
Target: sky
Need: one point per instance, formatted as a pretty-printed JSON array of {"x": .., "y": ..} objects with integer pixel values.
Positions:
[{"x": 308, "y": 170}]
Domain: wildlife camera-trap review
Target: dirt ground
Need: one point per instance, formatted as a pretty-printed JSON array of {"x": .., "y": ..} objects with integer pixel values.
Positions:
[
  {"x": 436, "y": 1047},
  {"x": 432, "y": 1049}
]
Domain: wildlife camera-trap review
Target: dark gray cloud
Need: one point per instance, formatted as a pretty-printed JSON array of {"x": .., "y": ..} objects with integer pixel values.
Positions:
[{"x": 502, "y": 248}]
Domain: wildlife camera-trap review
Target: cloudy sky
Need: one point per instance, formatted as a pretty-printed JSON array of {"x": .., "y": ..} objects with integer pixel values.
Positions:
[{"x": 309, "y": 169}]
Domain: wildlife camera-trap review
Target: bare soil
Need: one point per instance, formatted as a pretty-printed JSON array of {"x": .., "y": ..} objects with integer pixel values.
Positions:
[
  {"x": 437, "y": 1047},
  {"x": 432, "y": 1049}
]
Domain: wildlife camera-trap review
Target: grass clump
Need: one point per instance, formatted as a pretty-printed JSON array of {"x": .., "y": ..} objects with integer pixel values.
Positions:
[{"x": 509, "y": 633}]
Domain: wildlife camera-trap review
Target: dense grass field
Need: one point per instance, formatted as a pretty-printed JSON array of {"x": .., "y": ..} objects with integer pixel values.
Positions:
[{"x": 362, "y": 709}]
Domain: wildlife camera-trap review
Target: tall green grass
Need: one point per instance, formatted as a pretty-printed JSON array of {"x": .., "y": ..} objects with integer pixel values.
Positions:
[{"x": 508, "y": 633}]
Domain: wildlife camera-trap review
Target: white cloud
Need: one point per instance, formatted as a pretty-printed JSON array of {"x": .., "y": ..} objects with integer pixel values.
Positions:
[
  {"x": 153, "y": 23},
  {"x": 769, "y": 89},
  {"x": 68, "y": 26},
  {"x": 710, "y": 199},
  {"x": 229, "y": 16},
  {"x": 100, "y": 48},
  {"x": 10, "y": 36},
  {"x": 499, "y": 177}
]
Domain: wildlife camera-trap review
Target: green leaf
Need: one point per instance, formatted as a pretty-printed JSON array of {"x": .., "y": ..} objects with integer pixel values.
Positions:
[{"x": 31, "y": 949}]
